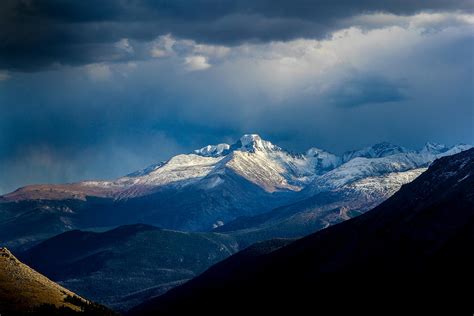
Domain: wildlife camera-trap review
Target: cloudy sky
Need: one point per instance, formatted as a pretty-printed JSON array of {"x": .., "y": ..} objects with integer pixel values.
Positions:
[{"x": 97, "y": 89}]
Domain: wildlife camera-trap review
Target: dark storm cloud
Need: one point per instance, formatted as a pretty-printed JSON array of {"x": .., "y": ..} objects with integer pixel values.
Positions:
[
  {"x": 36, "y": 34},
  {"x": 402, "y": 77},
  {"x": 365, "y": 89}
]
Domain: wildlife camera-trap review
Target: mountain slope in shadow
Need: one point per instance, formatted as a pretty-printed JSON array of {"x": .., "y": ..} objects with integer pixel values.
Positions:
[
  {"x": 127, "y": 265},
  {"x": 414, "y": 252}
]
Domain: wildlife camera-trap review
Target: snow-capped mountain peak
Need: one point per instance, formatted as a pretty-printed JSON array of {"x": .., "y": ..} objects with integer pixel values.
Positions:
[
  {"x": 247, "y": 143},
  {"x": 222, "y": 182},
  {"x": 379, "y": 150},
  {"x": 213, "y": 150},
  {"x": 248, "y": 139},
  {"x": 386, "y": 149},
  {"x": 252, "y": 143},
  {"x": 434, "y": 148},
  {"x": 318, "y": 152},
  {"x": 262, "y": 163},
  {"x": 274, "y": 169},
  {"x": 323, "y": 160}
]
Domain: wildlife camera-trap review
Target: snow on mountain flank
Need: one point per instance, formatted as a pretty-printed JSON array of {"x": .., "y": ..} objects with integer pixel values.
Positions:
[
  {"x": 385, "y": 185},
  {"x": 376, "y": 151},
  {"x": 434, "y": 148},
  {"x": 322, "y": 159},
  {"x": 213, "y": 150},
  {"x": 376, "y": 163},
  {"x": 274, "y": 169},
  {"x": 181, "y": 167},
  {"x": 253, "y": 142},
  {"x": 260, "y": 162}
]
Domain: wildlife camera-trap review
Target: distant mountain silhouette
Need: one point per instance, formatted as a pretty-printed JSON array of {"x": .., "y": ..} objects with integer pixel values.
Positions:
[{"x": 414, "y": 253}]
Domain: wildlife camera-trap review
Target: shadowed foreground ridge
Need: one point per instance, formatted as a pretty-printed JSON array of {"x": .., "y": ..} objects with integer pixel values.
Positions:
[
  {"x": 25, "y": 291},
  {"x": 413, "y": 252}
]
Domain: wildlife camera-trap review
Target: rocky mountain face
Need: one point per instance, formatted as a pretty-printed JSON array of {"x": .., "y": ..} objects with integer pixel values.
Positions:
[
  {"x": 23, "y": 291},
  {"x": 213, "y": 186},
  {"x": 411, "y": 253}
]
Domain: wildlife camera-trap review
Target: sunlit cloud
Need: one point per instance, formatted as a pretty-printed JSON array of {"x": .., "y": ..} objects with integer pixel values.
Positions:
[
  {"x": 198, "y": 62},
  {"x": 124, "y": 45}
]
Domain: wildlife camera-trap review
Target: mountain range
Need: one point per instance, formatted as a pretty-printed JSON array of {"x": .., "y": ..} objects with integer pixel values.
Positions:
[
  {"x": 244, "y": 200},
  {"x": 217, "y": 185},
  {"x": 411, "y": 254}
]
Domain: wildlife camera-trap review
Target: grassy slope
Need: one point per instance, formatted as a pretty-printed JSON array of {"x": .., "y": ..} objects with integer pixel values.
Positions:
[{"x": 22, "y": 288}]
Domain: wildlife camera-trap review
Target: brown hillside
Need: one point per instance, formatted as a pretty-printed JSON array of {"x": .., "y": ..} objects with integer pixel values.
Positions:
[{"x": 22, "y": 288}]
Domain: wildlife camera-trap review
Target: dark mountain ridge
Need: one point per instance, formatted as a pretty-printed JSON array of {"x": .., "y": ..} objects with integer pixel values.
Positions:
[
  {"x": 412, "y": 254},
  {"x": 127, "y": 265}
]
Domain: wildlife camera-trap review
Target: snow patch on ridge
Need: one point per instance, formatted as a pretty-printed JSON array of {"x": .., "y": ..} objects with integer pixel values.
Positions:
[
  {"x": 253, "y": 142},
  {"x": 213, "y": 150},
  {"x": 385, "y": 185},
  {"x": 181, "y": 169},
  {"x": 434, "y": 148},
  {"x": 379, "y": 150}
]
